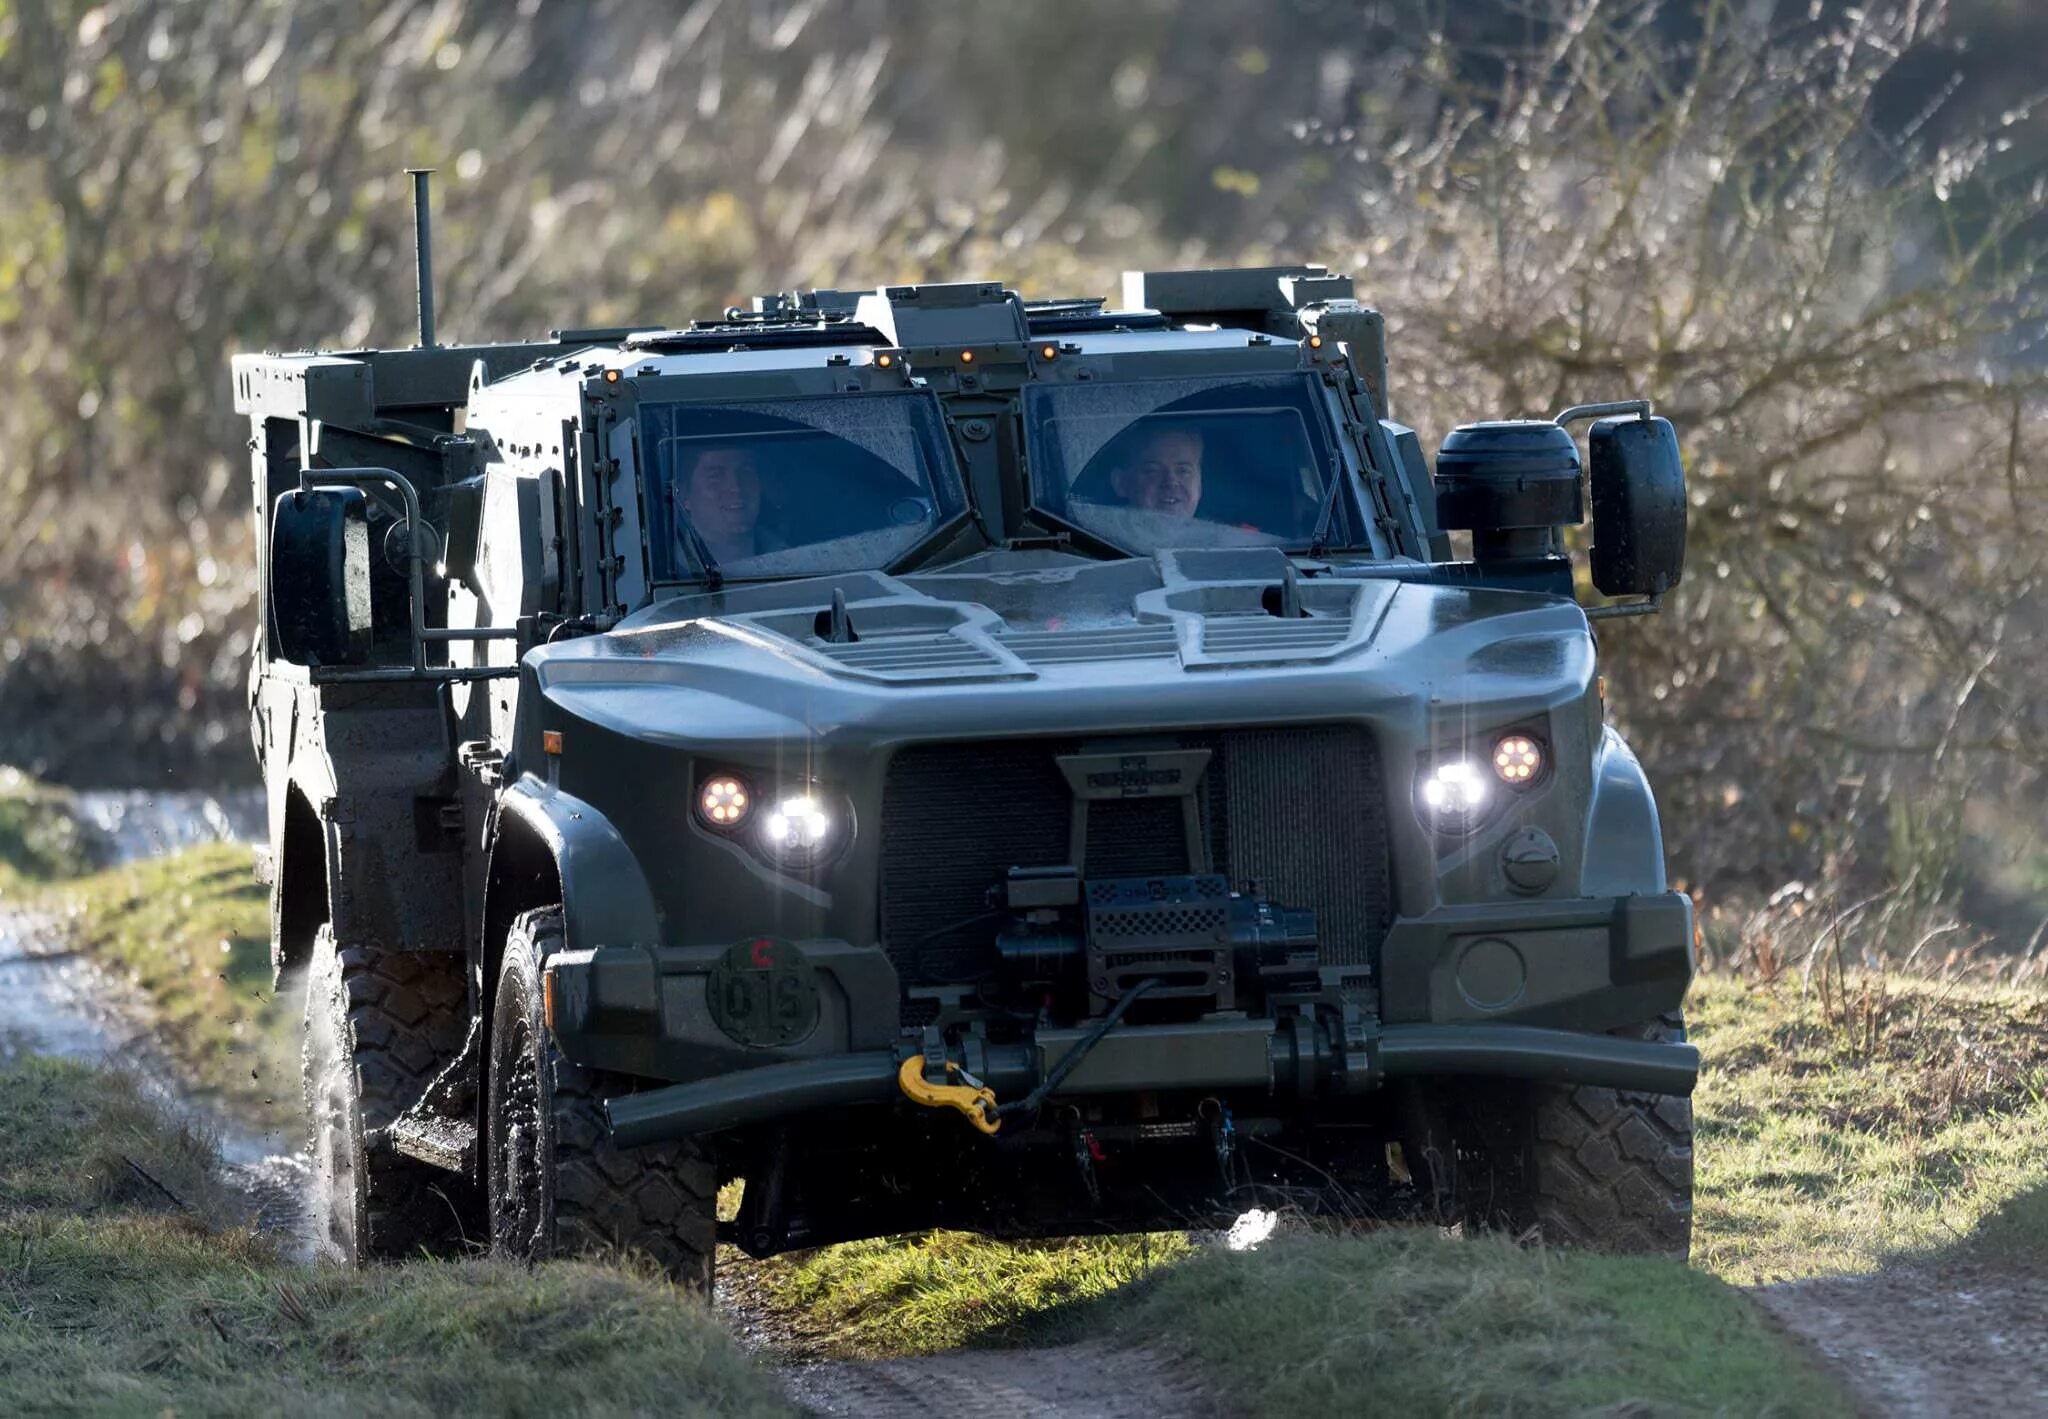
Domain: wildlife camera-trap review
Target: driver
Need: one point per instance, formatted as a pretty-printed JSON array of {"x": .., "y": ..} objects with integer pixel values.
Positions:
[
  {"x": 718, "y": 492},
  {"x": 1162, "y": 472}
]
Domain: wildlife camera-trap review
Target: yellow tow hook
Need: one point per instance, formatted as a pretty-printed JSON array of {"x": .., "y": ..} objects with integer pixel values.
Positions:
[{"x": 973, "y": 1098}]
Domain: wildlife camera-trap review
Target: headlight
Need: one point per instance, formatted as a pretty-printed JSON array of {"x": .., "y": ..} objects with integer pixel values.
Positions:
[
  {"x": 1453, "y": 794},
  {"x": 800, "y": 830}
]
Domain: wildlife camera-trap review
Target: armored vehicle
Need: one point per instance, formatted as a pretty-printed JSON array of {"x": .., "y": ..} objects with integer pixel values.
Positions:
[{"x": 947, "y": 759}]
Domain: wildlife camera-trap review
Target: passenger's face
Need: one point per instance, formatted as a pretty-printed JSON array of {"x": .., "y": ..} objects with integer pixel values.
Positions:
[
  {"x": 1165, "y": 475},
  {"x": 722, "y": 494}
]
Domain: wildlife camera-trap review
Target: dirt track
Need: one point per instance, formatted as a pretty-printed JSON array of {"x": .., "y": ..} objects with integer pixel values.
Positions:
[
  {"x": 1083, "y": 1381},
  {"x": 1926, "y": 1340}
]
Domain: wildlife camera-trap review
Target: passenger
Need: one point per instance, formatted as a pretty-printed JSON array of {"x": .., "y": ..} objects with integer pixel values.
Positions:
[
  {"x": 718, "y": 492},
  {"x": 1162, "y": 473}
]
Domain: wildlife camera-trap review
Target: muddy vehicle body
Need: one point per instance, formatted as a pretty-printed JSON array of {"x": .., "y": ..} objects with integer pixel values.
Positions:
[{"x": 952, "y": 760}]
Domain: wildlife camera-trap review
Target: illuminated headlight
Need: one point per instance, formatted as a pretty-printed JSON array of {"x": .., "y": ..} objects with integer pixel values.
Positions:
[
  {"x": 1453, "y": 794},
  {"x": 800, "y": 828}
]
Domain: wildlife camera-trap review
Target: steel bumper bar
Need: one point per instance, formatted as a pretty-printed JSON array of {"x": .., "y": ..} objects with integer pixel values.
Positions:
[{"x": 1291, "y": 1058}]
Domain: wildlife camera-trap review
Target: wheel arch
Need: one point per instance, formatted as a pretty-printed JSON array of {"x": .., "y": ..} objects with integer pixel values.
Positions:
[
  {"x": 550, "y": 848},
  {"x": 299, "y": 895},
  {"x": 1624, "y": 845}
]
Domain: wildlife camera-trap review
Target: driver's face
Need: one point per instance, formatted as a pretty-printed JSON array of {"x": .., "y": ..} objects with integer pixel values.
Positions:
[
  {"x": 722, "y": 494},
  {"x": 1164, "y": 475}
]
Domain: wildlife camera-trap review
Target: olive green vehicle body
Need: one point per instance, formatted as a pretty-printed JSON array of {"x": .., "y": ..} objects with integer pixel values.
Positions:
[{"x": 426, "y": 794}]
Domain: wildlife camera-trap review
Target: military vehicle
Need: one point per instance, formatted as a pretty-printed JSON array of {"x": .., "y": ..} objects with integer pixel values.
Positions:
[{"x": 946, "y": 759}]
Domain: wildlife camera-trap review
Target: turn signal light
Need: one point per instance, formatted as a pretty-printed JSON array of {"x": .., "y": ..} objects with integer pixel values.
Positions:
[
  {"x": 1517, "y": 760},
  {"x": 724, "y": 801}
]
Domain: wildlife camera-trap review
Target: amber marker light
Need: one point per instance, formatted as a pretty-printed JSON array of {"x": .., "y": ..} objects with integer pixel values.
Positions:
[
  {"x": 611, "y": 376},
  {"x": 967, "y": 357},
  {"x": 1315, "y": 342},
  {"x": 551, "y": 742},
  {"x": 884, "y": 360},
  {"x": 724, "y": 801},
  {"x": 1517, "y": 759},
  {"x": 1048, "y": 352}
]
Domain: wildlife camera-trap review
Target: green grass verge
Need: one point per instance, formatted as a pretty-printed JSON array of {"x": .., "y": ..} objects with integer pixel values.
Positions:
[
  {"x": 115, "y": 1299},
  {"x": 40, "y": 837},
  {"x": 193, "y": 930},
  {"x": 915, "y": 1295},
  {"x": 1833, "y": 1139},
  {"x": 1429, "y": 1324}
]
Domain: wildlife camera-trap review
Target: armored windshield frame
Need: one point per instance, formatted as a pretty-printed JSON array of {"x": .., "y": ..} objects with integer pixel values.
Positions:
[
  {"x": 1353, "y": 529},
  {"x": 927, "y": 426}
]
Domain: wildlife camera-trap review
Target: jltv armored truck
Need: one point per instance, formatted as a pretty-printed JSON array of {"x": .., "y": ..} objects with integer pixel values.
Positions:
[{"x": 954, "y": 760}]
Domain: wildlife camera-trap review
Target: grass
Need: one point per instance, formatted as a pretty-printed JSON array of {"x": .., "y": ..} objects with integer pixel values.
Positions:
[
  {"x": 40, "y": 837},
  {"x": 916, "y": 1295},
  {"x": 116, "y": 1299},
  {"x": 1430, "y": 1324},
  {"x": 1831, "y": 1140},
  {"x": 193, "y": 931}
]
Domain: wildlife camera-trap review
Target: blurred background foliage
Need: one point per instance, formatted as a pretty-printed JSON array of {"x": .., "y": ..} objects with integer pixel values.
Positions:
[{"x": 1810, "y": 232}]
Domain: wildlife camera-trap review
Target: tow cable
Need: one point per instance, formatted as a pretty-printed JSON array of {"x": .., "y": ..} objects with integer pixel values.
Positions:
[{"x": 977, "y": 1101}]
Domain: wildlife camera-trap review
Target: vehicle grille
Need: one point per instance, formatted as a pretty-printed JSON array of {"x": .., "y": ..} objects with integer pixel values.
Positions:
[{"x": 1299, "y": 810}]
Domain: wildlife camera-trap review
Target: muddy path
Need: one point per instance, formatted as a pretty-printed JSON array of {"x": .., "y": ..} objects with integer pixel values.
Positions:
[
  {"x": 1926, "y": 1338},
  {"x": 56, "y": 1002}
]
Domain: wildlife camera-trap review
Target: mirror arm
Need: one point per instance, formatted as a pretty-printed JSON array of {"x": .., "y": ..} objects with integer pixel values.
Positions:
[
  {"x": 1639, "y": 407},
  {"x": 422, "y": 633},
  {"x": 1650, "y": 606}
]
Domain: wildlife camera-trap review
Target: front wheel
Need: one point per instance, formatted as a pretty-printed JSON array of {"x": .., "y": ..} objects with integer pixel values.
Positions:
[
  {"x": 1577, "y": 1166},
  {"x": 559, "y": 1186}
]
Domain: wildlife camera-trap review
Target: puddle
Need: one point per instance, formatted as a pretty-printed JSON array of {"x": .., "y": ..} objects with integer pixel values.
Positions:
[
  {"x": 54, "y": 1001},
  {"x": 139, "y": 823}
]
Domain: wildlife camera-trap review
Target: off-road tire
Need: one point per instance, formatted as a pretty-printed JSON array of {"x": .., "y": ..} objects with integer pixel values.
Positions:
[
  {"x": 379, "y": 1026},
  {"x": 558, "y": 1185},
  {"x": 1574, "y": 1166},
  {"x": 1609, "y": 1169}
]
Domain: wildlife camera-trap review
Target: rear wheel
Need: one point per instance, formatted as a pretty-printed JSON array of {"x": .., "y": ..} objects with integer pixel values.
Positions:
[
  {"x": 379, "y": 1026},
  {"x": 558, "y": 1185}
]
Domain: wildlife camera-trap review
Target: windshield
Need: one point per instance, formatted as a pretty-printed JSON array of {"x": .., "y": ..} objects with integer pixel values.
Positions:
[
  {"x": 797, "y": 487},
  {"x": 1151, "y": 464}
]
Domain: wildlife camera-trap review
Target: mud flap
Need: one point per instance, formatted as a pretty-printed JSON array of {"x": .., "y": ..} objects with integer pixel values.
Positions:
[{"x": 440, "y": 1128}]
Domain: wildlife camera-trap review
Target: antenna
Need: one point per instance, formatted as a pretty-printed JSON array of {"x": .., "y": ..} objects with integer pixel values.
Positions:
[{"x": 423, "y": 250}]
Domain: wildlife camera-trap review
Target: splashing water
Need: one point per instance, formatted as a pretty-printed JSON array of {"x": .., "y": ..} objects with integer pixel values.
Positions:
[{"x": 1249, "y": 1230}]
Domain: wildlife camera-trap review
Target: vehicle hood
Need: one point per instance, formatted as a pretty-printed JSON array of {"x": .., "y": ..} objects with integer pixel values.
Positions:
[{"x": 1022, "y": 642}]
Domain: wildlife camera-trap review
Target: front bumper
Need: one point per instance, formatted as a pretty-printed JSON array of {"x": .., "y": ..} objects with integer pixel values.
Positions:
[
  {"x": 1292, "y": 1057},
  {"x": 1520, "y": 989}
]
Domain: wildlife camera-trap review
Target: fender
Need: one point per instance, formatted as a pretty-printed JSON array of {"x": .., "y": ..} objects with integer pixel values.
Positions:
[
  {"x": 1624, "y": 844},
  {"x": 605, "y": 897}
]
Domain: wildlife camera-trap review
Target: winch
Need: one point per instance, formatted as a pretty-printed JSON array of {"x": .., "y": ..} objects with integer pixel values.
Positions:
[{"x": 1193, "y": 936}]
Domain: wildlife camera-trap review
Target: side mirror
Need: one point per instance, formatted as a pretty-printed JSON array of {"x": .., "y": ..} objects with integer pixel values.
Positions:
[
  {"x": 319, "y": 576},
  {"x": 1638, "y": 489},
  {"x": 465, "y": 526}
]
